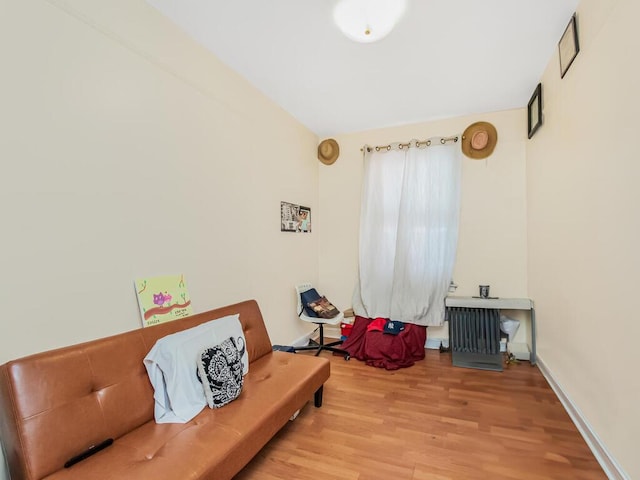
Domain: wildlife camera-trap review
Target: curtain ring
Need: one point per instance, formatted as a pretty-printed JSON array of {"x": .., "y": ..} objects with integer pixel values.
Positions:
[
  {"x": 443, "y": 141},
  {"x": 388, "y": 147},
  {"x": 377, "y": 149},
  {"x": 400, "y": 146},
  {"x": 428, "y": 143}
]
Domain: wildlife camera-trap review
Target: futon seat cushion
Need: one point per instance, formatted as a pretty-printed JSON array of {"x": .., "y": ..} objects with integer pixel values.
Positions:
[{"x": 274, "y": 386}]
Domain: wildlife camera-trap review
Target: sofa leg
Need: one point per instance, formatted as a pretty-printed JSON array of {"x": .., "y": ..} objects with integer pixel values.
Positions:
[{"x": 317, "y": 397}]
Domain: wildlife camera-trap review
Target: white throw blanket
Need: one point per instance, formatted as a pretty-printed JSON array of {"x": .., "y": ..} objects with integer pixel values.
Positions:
[{"x": 172, "y": 365}]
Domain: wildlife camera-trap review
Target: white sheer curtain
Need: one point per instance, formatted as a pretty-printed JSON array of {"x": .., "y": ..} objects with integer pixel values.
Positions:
[{"x": 408, "y": 231}]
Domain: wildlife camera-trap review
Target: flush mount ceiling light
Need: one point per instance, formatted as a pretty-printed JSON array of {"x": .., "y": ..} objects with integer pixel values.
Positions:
[{"x": 367, "y": 20}]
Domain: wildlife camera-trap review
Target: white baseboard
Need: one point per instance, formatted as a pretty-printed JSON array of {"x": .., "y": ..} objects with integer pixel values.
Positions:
[
  {"x": 330, "y": 331},
  {"x": 334, "y": 332},
  {"x": 434, "y": 343},
  {"x": 302, "y": 341},
  {"x": 609, "y": 464}
]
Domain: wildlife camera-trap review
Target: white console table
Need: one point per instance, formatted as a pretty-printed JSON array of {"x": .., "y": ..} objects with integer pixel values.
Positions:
[{"x": 499, "y": 304}]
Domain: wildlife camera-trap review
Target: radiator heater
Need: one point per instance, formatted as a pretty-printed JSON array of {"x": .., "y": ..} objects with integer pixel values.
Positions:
[{"x": 474, "y": 337}]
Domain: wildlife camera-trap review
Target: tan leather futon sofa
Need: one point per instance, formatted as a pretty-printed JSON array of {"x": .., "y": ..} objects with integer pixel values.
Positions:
[{"x": 55, "y": 405}]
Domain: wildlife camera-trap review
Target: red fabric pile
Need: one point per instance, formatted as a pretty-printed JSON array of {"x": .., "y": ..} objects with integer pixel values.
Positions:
[{"x": 384, "y": 350}]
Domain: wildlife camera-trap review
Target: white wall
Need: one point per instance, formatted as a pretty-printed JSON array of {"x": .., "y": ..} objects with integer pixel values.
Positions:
[
  {"x": 584, "y": 226},
  {"x": 127, "y": 150},
  {"x": 492, "y": 239}
]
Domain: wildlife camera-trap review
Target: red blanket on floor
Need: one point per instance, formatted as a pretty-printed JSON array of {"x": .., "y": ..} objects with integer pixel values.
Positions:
[{"x": 385, "y": 350}]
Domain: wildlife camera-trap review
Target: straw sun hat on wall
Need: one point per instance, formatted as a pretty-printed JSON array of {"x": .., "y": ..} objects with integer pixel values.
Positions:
[
  {"x": 479, "y": 140},
  {"x": 328, "y": 151}
]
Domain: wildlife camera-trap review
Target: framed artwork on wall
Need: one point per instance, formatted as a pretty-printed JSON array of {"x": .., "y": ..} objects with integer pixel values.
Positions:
[
  {"x": 294, "y": 218},
  {"x": 534, "y": 111},
  {"x": 568, "y": 47},
  {"x": 162, "y": 299}
]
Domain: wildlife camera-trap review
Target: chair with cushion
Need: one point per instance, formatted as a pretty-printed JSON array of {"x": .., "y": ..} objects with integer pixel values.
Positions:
[{"x": 307, "y": 294}]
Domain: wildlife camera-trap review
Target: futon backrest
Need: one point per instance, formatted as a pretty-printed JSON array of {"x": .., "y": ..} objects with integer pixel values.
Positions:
[{"x": 55, "y": 404}]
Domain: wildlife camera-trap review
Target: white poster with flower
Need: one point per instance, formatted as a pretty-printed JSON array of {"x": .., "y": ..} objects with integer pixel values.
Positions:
[{"x": 162, "y": 299}]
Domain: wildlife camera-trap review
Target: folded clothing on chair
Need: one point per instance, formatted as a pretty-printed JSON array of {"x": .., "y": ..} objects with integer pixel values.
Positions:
[
  {"x": 323, "y": 308},
  {"x": 316, "y": 305},
  {"x": 307, "y": 297}
]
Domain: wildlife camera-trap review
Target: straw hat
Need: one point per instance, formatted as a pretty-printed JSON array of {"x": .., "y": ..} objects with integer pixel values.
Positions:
[
  {"x": 479, "y": 140},
  {"x": 328, "y": 151}
]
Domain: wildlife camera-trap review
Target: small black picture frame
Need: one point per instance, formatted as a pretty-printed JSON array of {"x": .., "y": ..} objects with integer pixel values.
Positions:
[
  {"x": 568, "y": 47},
  {"x": 534, "y": 111}
]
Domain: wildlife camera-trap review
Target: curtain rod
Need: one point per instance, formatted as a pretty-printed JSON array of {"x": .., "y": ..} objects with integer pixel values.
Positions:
[{"x": 443, "y": 140}]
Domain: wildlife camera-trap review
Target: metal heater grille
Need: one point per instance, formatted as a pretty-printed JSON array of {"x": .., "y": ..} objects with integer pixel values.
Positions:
[{"x": 474, "y": 334}]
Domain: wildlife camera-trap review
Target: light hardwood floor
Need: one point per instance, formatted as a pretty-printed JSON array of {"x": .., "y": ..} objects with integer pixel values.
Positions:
[{"x": 430, "y": 421}]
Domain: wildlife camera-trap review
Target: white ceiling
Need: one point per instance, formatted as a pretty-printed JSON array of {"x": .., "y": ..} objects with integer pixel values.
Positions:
[{"x": 444, "y": 58}]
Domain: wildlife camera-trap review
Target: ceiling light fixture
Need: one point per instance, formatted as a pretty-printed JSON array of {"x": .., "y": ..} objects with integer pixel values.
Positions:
[{"x": 367, "y": 21}]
